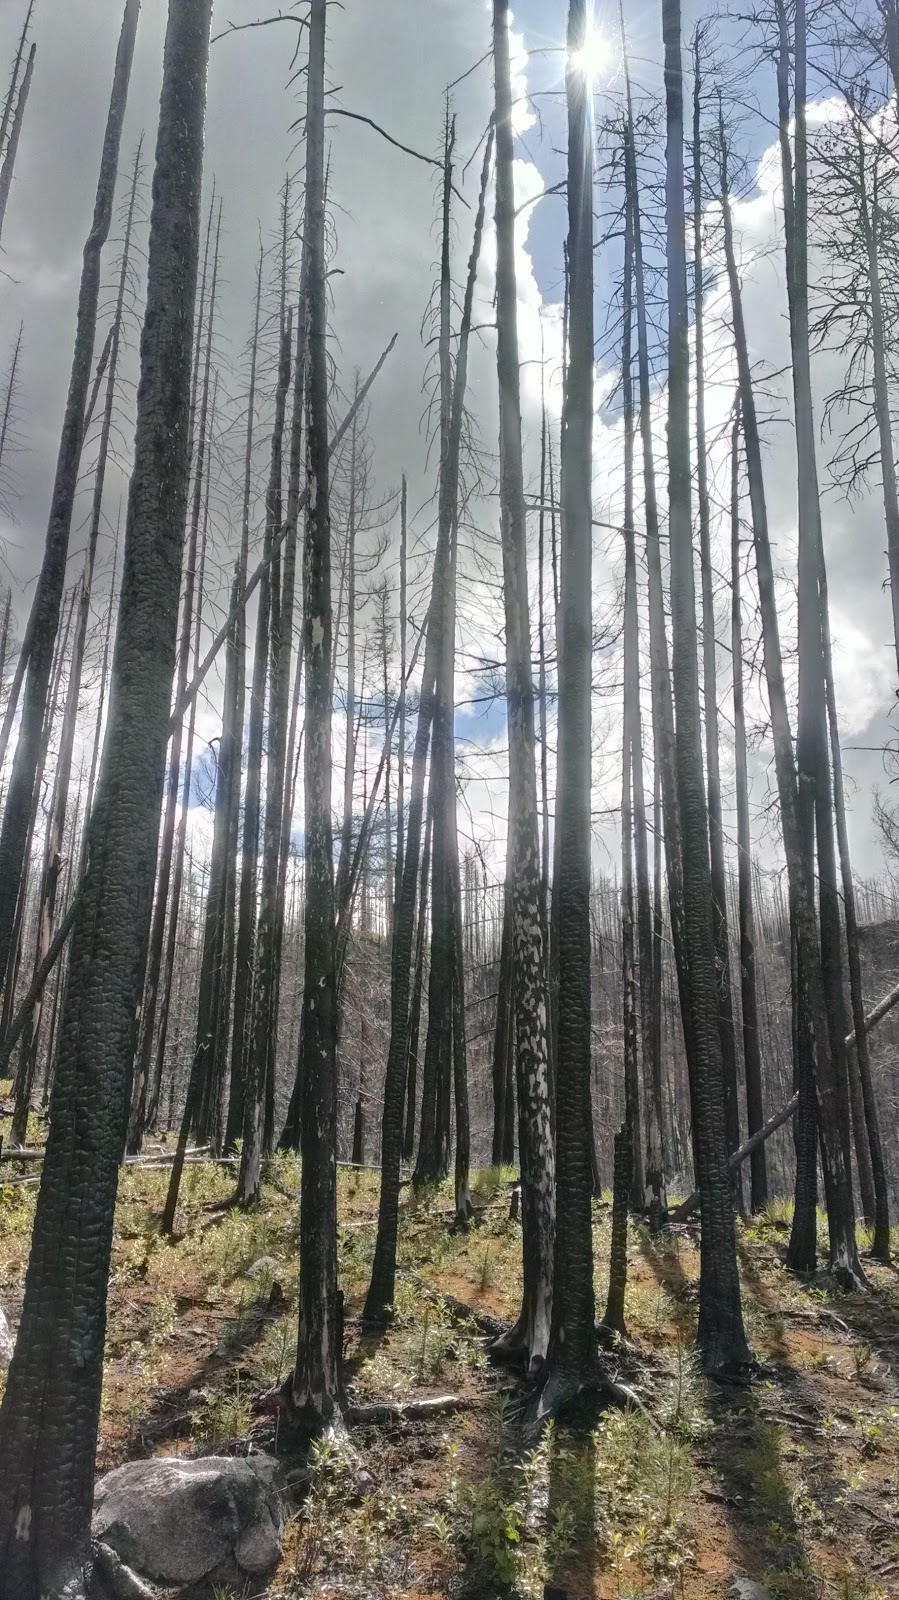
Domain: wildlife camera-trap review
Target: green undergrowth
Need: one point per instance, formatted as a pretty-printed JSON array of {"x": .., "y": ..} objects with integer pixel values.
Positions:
[{"x": 794, "y": 1481}]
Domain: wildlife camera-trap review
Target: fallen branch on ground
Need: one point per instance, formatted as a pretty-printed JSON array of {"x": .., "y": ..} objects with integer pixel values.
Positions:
[
  {"x": 681, "y": 1212},
  {"x": 490, "y": 1327},
  {"x": 200, "y": 1152},
  {"x": 377, "y": 1413}
]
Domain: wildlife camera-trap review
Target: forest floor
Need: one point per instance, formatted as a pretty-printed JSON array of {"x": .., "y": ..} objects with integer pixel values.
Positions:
[{"x": 793, "y": 1480}]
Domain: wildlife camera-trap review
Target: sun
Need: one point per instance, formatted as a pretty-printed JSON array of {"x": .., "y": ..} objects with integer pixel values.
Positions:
[{"x": 594, "y": 56}]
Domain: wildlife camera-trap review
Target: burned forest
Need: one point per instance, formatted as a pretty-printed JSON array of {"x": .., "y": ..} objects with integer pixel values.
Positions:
[{"x": 449, "y": 825}]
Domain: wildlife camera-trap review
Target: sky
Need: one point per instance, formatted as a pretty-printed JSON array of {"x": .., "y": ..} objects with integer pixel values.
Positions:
[{"x": 391, "y": 62}]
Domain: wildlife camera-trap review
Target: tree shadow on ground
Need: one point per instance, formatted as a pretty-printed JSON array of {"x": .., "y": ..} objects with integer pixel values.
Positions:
[
  {"x": 173, "y": 1409},
  {"x": 744, "y": 1453}
]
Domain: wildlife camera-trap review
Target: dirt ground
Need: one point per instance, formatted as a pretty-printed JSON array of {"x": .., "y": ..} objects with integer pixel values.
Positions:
[{"x": 793, "y": 1480}]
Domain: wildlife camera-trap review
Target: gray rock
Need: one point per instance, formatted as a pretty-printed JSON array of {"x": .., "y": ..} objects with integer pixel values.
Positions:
[
  {"x": 180, "y": 1521},
  {"x": 6, "y": 1341},
  {"x": 265, "y": 1267},
  {"x": 747, "y": 1589}
]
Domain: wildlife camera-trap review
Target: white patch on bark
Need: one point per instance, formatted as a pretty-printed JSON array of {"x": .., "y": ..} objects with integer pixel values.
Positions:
[
  {"x": 23, "y": 1524},
  {"x": 542, "y": 1322},
  {"x": 318, "y": 633}
]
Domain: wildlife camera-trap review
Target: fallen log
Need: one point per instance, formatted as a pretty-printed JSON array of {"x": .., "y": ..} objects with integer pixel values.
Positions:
[
  {"x": 877, "y": 1015},
  {"x": 381, "y": 1413},
  {"x": 490, "y": 1327},
  {"x": 685, "y": 1209},
  {"x": 25, "y": 1153},
  {"x": 17, "y": 1026}
]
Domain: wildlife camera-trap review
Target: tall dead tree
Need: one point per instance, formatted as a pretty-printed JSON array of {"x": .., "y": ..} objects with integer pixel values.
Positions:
[
  {"x": 572, "y": 1349},
  {"x": 631, "y": 779},
  {"x": 530, "y": 1003},
  {"x": 810, "y": 1020},
  {"x": 7, "y": 167},
  {"x": 661, "y": 701},
  {"x": 255, "y": 1041},
  {"x": 721, "y": 1339},
  {"x": 198, "y": 431},
  {"x": 710, "y": 650},
  {"x": 752, "y": 1053},
  {"x": 316, "y": 1379},
  {"x": 43, "y": 622},
  {"x": 812, "y": 754},
  {"x": 349, "y": 757},
  {"x": 10, "y": 100},
  {"x": 402, "y": 1049},
  {"x": 53, "y": 862},
  {"x": 179, "y": 851},
  {"x": 249, "y": 843},
  {"x": 432, "y": 1163},
  {"x": 266, "y": 988},
  {"x": 51, "y": 1404},
  {"x": 216, "y": 968},
  {"x": 401, "y": 734}
]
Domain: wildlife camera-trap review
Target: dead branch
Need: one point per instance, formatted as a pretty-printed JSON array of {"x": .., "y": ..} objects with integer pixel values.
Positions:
[{"x": 380, "y": 1413}]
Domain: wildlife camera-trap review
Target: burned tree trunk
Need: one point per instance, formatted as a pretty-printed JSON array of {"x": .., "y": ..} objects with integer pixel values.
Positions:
[
  {"x": 139, "y": 1117},
  {"x": 316, "y": 1390},
  {"x": 12, "y": 148},
  {"x": 246, "y": 906},
  {"x": 571, "y": 1355},
  {"x": 530, "y": 1001},
  {"x": 662, "y": 701},
  {"x": 709, "y": 658},
  {"x": 256, "y": 1040},
  {"x": 379, "y": 1300},
  {"x": 722, "y": 1342},
  {"x": 752, "y": 1054},
  {"x": 632, "y": 758},
  {"x": 44, "y": 620},
  {"x": 51, "y": 1404},
  {"x": 812, "y": 760},
  {"x": 434, "y": 1137}
]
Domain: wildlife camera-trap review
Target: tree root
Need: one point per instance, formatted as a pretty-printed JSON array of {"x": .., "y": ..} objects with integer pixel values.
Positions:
[
  {"x": 117, "y": 1580},
  {"x": 563, "y": 1393}
]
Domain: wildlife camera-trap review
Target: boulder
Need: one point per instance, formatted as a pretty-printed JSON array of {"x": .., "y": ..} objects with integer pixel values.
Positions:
[
  {"x": 178, "y": 1521},
  {"x": 747, "y": 1589},
  {"x": 6, "y": 1341}
]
